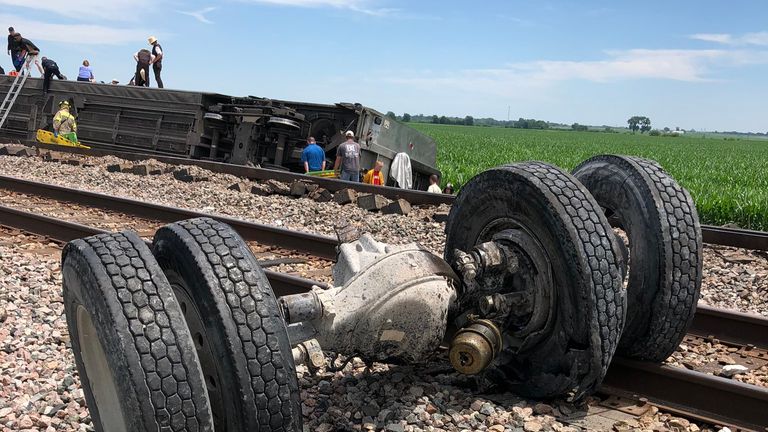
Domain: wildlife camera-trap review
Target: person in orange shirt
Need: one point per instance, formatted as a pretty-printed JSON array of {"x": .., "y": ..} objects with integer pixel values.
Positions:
[{"x": 374, "y": 176}]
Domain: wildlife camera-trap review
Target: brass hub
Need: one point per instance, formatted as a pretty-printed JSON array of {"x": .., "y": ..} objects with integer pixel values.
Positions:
[{"x": 474, "y": 347}]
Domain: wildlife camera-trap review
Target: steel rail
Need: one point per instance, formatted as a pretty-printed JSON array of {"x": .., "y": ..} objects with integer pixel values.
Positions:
[
  {"x": 712, "y": 399},
  {"x": 317, "y": 245},
  {"x": 61, "y": 231},
  {"x": 732, "y": 326},
  {"x": 691, "y": 394},
  {"x": 735, "y": 237}
]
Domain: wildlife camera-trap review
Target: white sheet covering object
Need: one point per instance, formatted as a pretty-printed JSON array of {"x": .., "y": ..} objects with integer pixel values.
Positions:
[{"x": 401, "y": 171}]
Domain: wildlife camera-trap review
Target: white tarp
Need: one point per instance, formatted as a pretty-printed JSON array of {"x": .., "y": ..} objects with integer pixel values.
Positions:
[{"x": 401, "y": 171}]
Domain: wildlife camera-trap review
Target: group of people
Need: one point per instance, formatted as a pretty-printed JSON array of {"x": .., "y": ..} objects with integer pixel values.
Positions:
[
  {"x": 24, "y": 53},
  {"x": 347, "y": 164}
]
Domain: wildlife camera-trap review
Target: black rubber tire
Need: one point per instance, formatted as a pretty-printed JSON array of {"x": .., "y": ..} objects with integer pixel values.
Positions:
[
  {"x": 584, "y": 328},
  {"x": 661, "y": 222},
  {"x": 245, "y": 329},
  {"x": 115, "y": 280}
]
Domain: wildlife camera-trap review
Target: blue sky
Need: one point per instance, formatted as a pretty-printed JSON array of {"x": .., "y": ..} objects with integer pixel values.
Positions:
[{"x": 693, "y": 64}]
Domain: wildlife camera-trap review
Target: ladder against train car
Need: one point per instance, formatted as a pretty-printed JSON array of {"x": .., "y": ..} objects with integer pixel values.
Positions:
[{"x": 10, "y": 97}]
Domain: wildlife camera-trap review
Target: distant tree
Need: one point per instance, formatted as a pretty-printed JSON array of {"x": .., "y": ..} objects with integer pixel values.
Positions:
[
  {"x": 391, "y": 115},
  {"x": 645, "y": 124},
  {"x": 435, "y": 119},
  {"x": 469, "y": 121},
  {"x": 654, "y": 132},
  {"x": 633, "y": 123},
  {"x": 579, "y": 127},
  {"x": 641, "y": 123},
  {"x": 443, "y": 120},
  {"x": 406, "y": 117},
  {"x": 666, "y": 130}
]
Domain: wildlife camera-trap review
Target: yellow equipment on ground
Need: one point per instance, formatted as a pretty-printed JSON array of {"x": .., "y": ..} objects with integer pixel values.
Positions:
[
  {"x": 46, "y": 137},
  {"x": 325, "y": 174}
]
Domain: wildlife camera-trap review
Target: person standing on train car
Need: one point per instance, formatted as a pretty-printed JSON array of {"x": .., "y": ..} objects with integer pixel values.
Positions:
[{"x": 157, "y": 60}]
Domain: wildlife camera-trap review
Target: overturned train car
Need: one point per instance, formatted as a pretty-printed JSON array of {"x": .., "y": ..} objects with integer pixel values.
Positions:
[{"x": 240, "y": 130}]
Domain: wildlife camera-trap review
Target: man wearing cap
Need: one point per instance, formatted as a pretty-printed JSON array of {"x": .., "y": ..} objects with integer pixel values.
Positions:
[
  {"x": 157, "y": 60},
  {"x": 64, "y": 123},
  {"x": 50, "y": 69},
  {"x": 348, "y": 159}
]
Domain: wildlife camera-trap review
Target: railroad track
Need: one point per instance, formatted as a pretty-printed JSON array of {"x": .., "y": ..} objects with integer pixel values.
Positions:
[
  {"x": 742, "y": 238},
  {"x": 696, "y": 395},
  {"x": 318, "y": 245}
]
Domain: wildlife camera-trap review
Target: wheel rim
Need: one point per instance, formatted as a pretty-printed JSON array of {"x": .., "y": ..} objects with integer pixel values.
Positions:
[
  {"x": 208, "y": 364},
  {"x": 100, "y": 377},
  {"x": 533, "y": 279}
]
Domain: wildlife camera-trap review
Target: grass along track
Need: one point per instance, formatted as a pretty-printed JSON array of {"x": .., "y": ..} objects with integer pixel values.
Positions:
[{"x": 728, "y": 179}]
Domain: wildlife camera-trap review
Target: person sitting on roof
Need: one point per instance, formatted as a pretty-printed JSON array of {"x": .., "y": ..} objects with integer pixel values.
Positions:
[
  {"x": 374, "y": 176},
  {"x": 64, "y": 123}
]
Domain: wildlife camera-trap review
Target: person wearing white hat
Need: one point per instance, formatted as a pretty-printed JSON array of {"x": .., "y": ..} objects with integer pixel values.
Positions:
[
  {"x": 348, "y": 159},
  {"x": 157, "y": 59}
]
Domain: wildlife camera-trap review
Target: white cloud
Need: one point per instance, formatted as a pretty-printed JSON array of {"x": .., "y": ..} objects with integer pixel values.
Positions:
[
  {"x": 362, "y": 6},
  {"x": 80, "y": 34},
  {"x": 757, "y": 38},
  {"x": 636, "y": 64},
  {"x": 200, "y": 15},
  {"x": 113, "y": 10}
]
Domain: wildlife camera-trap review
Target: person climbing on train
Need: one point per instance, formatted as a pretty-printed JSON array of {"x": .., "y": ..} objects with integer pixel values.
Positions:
[
  {"x": 50, "y": 69},
  {"x": 28, "y": 51},
  {"x": 143, "y": 59},
  {"x": 374, "y": 176},
  {"x": 64, "y": 123}
]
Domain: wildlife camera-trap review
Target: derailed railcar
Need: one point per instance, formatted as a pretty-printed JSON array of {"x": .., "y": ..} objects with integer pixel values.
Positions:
[{"x": 240, "y": 130}]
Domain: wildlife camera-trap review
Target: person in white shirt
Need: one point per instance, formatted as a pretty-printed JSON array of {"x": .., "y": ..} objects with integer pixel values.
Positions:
[{"x": 434, "y": 187}]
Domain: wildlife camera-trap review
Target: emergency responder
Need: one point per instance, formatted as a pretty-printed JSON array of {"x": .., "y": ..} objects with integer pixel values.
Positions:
[
  {"x": 157, "y": 60},
  {"x": 50, "y": 69},
  {"x": 64, "y": 123}
]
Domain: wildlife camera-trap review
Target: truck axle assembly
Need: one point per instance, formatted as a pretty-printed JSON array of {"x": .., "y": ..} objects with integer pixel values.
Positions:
[{"x": 530, "y": 294}]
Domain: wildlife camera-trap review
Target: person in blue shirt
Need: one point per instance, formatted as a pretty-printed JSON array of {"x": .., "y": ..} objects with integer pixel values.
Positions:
[{"x": 313, "y": 156}]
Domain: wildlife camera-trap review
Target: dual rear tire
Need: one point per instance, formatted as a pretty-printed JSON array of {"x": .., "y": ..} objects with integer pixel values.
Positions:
[
  {"x": 590, "y": 315},
  {"x": 147, "y": 358}
]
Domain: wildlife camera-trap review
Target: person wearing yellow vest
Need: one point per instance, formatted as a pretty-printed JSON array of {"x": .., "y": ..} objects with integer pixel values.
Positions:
[
  {"x": 374, "y": 176},
  {"x": 64, "y": 123}
]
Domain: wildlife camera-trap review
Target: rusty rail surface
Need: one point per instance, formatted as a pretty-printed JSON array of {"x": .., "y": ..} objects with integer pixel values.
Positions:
[
  {"x": 712, "y": 399},
  {"x": 691, "y": 394},
  {"x": 62, "y": 231},
  {"x": 734, "y": 237},
  {"x": 317, "y": 245}
]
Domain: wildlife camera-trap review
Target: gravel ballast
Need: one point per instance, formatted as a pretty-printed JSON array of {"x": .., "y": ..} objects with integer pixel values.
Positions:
[{"x": 37, "y": 372}]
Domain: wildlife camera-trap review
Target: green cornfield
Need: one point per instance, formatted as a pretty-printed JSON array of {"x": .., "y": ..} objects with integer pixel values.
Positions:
[{"x": 727, "y": 178}]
